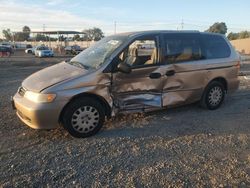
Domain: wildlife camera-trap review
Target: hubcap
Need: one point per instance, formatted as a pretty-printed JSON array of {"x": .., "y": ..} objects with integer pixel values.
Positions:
[
  {"x": 85, "y": 119},
  {"x": 215, "y": 96}
]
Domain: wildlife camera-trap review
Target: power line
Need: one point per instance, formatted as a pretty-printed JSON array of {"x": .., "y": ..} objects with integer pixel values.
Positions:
[{"x": 124, "y": 26}]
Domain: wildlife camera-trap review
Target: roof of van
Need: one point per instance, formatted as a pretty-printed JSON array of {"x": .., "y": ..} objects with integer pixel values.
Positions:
[{"x": 136, "y": 33}]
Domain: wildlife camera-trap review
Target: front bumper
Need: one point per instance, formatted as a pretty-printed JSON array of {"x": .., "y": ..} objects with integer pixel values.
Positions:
[
  {"x": 47, "y": 55},
  {"x": 37, "y": 116}
]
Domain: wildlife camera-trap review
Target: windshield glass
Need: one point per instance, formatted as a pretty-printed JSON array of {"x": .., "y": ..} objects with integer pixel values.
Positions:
[
  {"x": 43, "y": 48},
  {"x": 94, "y": 56}
]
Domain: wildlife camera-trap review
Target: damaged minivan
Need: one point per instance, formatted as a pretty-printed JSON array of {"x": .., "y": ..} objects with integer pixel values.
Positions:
[{"x": 131, "y": 72}]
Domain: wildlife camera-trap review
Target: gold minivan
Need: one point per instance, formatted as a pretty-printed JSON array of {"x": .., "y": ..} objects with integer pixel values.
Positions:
[{"x": 131, "y": 72}]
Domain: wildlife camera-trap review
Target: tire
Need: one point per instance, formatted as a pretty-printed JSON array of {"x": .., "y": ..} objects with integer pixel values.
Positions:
[
  {"x": 83, "y": 117},
  {"x": 213, "y": 95}
]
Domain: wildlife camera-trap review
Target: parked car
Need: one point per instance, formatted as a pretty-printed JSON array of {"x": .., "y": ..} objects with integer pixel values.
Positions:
[
  {"x": 6, "y": 50},
  {"x": 113, "y": 76},
  {"x": 30, "y": 50},
  {"x": 29, "y": 46},
  {"x": 74, "y": 50},
  {"x": 43, "y": 51},
  {"x": 34, "y": 49}
]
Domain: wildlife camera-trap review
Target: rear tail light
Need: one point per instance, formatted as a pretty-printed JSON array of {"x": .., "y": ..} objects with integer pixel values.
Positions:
[{"x": 238, "y": 65}]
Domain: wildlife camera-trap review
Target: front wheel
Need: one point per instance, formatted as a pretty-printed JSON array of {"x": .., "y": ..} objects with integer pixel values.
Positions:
[
  {"x": 213, "y": 96},
  {"x": 83, "y": 117}
]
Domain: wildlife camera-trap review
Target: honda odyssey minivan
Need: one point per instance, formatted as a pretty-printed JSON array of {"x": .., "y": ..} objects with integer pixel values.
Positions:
[{"x": 131, "y": 72}]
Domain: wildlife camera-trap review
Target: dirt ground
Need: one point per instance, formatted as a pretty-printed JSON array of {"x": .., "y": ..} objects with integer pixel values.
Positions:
[{"x": 181, "y": 147}]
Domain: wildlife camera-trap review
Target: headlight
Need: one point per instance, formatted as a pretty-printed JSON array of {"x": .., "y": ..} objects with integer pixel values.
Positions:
[{"x": 39, "y": 97}]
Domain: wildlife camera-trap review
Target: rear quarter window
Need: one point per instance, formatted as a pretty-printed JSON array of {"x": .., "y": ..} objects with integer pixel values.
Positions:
[{"x": 215, "y": 46}]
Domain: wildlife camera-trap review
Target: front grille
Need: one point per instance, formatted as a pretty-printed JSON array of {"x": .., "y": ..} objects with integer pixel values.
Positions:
[{"x": 21, "y": 91}]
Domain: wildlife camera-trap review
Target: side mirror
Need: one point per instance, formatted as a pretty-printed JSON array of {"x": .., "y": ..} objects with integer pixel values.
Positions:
[{"x": 124, "y": 68}]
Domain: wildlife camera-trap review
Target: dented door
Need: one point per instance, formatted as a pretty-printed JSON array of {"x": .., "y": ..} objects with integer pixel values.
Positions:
[
  {"x": 183, "y": 83},
  {"x": 142, "y": 88},
  {"x": 185, "y": 75}
]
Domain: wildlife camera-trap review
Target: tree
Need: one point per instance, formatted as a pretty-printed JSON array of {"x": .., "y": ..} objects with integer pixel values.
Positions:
[
  {"x": 77, "y": 37},
  {"x": 233, "y": 36},
  {"x": 62, "y": 38},
  {"x": 40, "y": 37},
  {"x": 244, "y": 34},
  {"x": 218, "y": 28},
  {"x": 26, "y": 33},
  {"x": 240, "y": 35},
  {"x": 7, "y": 34},
  {"x": 93, "y": 34},
  {"x": 26, "y": 29},
  {"x": 19, "y": 36}
]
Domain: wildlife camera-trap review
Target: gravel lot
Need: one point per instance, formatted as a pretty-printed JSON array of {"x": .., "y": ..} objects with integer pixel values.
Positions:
[{"x": 181, "y": 147}]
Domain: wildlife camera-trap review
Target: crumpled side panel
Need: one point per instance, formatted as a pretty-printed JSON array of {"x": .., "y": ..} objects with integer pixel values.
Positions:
[
  {"x": 141, "y": 100},
  {"x": 137, "y": 88}
]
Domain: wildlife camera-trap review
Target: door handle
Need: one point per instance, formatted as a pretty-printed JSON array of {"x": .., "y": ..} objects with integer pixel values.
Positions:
[
  {"x": 155, "y": 75},
  {"x": 170, "y": 73}
]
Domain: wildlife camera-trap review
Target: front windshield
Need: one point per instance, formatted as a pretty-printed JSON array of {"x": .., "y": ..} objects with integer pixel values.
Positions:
[
  {"x": 43, "y": 48},
  {"x": 94, "y": 56}
]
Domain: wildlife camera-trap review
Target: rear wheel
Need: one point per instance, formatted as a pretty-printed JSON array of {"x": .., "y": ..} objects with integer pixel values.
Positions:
[
  {"x": 83, "y": 118},
  {"x": 213, "y": 96}
]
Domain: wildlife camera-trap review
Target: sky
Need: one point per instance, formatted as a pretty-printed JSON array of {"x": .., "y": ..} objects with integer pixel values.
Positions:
[{"x": 129, "y": 15}]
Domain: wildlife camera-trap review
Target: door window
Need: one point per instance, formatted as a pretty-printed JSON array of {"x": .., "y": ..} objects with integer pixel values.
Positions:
[
  {"x": 182, "y": 48},
  {"x": 140, "y": 53}
]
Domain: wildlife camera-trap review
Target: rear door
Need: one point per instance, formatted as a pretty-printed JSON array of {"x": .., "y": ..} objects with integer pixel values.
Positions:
[{"x": 185, "y": 76}]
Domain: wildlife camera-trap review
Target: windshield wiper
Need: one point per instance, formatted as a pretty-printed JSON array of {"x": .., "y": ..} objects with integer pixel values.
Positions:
[{"x": 78, "y": 64}]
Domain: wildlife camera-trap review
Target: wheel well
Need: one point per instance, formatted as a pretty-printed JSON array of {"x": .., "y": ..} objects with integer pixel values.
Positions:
[
  {"x": 221, "y": 80},
  {"x": 95, "y": 97}
]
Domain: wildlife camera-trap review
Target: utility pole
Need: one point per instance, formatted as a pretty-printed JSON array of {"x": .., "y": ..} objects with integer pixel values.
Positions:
[
  {"x": 115, "y": 27},
  {"x": 44, "y": 31},
  {"x": 13, "y": 36},
  {"x": 182, "y": 24}
]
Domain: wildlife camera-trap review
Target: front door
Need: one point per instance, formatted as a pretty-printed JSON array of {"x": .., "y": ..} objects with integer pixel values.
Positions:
[{"x": 141, "y": 89}]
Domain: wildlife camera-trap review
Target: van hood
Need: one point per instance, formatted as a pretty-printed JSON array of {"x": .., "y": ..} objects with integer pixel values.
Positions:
[{"x": 51, "y": 76}]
